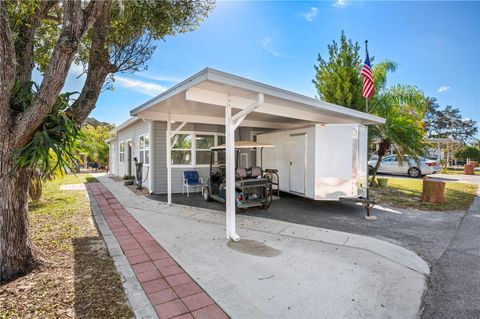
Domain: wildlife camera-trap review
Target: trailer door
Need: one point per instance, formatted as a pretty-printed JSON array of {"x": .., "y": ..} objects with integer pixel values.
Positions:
[{"x": 298, "y": 158}]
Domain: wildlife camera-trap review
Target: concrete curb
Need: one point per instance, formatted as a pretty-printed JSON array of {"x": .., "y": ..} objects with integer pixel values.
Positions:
[{"x": 139, "y": 302}]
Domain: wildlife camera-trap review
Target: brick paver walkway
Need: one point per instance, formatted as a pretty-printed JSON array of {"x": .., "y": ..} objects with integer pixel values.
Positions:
[{"x": 170, "y": 289}]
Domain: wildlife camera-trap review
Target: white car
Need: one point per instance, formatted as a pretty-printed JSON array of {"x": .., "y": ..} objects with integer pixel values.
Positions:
[{"x": 391, "y": 165}]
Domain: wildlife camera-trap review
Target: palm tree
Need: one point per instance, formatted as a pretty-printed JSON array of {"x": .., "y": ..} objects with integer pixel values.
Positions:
[{"x": 403, "y": 107}]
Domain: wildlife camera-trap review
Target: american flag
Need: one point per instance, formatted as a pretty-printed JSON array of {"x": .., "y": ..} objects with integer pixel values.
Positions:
[{"x": 368, "y": 84}]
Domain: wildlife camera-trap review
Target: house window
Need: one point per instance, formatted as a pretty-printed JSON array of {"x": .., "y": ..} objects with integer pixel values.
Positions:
[
  {"x": 220, "y": 156},
  {"x": 122, "y": 152},
  {"x": 220, "y": 139},
  {"x": 181, "y": 149},
  {"x": 203, "y": 144},
  {"x": 144, "y": 150},
  {"x": 192, "y": 148}
]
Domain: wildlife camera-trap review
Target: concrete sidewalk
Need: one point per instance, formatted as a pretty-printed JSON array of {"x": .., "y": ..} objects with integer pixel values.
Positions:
[
  {"x": 283, "y": 270},
  {"x": 455, "y": 284}
]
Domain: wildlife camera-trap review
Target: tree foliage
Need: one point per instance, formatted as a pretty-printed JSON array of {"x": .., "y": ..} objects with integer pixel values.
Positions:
[
  {"x": 448, "y": 123},
  {"x": 469, "y": 152},
  {"x": 403, "y": 107},
  {"x": 338, "y": 81},
  {"x": 93, "y": 141},
  {"x": 54, "y": 145},
  {"x": 40, "y": 126}
]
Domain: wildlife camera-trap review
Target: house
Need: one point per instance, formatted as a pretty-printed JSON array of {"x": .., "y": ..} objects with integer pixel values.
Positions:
[{"x": 174, "y": 131}]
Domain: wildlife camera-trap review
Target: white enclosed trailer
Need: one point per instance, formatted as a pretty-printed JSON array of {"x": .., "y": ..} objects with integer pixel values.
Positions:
[{"x": 321, "y": 162}]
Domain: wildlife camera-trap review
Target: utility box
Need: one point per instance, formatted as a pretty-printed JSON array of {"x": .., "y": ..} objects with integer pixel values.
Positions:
[{"x": 321, "y": 162}]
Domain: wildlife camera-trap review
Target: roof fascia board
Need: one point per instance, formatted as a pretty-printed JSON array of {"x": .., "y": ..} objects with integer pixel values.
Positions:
[
  {"x": 125, "y": 124},
  {"x": 257, "y": 87}
]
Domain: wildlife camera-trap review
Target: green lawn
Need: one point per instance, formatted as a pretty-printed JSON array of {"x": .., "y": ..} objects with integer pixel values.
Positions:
[
  {"x": 405, "y": 193},
  {"x": 454, "y": 171},
  {"x": 78, "y": 278}
]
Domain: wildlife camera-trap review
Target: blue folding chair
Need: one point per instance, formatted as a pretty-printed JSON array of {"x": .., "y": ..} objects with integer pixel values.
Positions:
[{"x": 192, "y": 180}]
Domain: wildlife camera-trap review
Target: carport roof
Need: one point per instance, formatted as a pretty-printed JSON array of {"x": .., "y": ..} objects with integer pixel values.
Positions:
[{"x": 202, "y": 93}]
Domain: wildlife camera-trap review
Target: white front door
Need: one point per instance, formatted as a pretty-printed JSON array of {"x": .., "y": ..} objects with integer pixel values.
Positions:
[{"x": 297, "y": 163}]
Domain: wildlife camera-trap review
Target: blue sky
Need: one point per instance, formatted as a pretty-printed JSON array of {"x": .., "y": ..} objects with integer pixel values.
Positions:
[{"x": 436, "y": 45}]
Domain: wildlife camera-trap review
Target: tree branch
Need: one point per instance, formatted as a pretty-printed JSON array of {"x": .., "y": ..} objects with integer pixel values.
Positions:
[
  {"x": 76, "y": 23},
  {"x": 99, "y": 66},
  {"x": 24, "y": 43},
  {"x": 7, "y": 69}
]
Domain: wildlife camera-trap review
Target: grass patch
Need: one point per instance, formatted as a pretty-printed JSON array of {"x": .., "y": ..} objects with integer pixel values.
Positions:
[
  {"x": 78, "y": 278},
  {"x": 456, "y": 171},
  {"x": 90, "y": 179},
  {"x": 405, "y": 193}
]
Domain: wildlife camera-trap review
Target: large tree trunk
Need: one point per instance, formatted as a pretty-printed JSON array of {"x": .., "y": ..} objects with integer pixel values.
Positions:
[
  {"x": 16, "y": 255},
  {"x": 16, "y": 130}
]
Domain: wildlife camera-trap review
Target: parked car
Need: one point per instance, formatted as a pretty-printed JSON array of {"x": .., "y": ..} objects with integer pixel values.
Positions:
[{"x": 415, "y": 168}]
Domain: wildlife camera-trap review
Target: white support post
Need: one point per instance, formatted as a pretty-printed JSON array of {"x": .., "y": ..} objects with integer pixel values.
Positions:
[
  {"x": 240, "y": 116},
  {"x": 231, "y": 123},
  {"x": 169, "y": 160},
  {"x": 230, "y": 172}
]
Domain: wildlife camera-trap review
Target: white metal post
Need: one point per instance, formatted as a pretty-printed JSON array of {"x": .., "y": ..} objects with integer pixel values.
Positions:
[
  {"x": 230, "y": 172},
  {"x": 169, "y": 160},
  {"x": 231, "y": 124}
]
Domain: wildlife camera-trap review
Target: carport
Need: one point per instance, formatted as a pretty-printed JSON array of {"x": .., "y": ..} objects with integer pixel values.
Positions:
[{"x": 215, "y": 97}]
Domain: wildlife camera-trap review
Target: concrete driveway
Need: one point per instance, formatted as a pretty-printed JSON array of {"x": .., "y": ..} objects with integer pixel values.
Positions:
[
  {"x": 448, "y": 241},
  {"x": 284, "y": 270}
]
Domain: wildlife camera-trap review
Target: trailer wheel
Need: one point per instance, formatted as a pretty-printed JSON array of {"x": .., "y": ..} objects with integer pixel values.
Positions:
[{"x": 206, "y": 194}]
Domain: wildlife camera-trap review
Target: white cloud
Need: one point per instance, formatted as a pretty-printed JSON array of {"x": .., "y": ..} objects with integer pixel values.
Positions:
[
  {"x": 147, "y": 88},
  {"x": 76, "y": 70},
  {"x": 340, "y": 3},
  {"x": 310, "y": 15},
  {"x": 161, "y": 77},
  {"x": 443, "y": 88},
  {"x": 266, "y": 44}
]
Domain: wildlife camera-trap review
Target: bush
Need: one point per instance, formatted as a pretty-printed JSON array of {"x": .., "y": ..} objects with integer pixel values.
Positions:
[
  {"x": 128, "y": 177},
  {"x": 469, "y": 152}
]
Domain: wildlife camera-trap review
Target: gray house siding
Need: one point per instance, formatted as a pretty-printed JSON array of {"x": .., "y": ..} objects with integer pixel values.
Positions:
[
  {"x": 133, "y": 133},
  {"x": 160, "y": 158},
  {"x": 242, "y": 134},
  {"x": 158, "y": 169}
]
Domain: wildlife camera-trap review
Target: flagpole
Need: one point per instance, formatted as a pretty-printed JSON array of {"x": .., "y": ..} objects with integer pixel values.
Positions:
[
  {"x": 368, "y": 173},
  {"x": 366, "y": 98}
]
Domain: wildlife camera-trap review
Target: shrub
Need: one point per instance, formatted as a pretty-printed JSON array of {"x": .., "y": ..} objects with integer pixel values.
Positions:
[{"x": 469, "y": 152}]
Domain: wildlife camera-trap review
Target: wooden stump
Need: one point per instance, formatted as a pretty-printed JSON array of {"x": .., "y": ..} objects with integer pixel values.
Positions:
[
  {"x": 469, "y": 169},
  {"x": 433, "y": 191}
]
